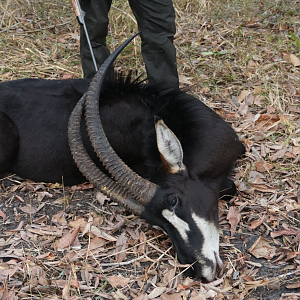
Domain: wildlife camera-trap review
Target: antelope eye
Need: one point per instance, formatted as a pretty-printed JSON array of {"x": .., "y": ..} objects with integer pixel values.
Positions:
[{"x": 174, "y": 202}]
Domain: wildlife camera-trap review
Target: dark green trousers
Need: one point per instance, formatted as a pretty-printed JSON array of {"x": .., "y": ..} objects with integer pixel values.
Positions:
[{"x": 156, "y": 21}]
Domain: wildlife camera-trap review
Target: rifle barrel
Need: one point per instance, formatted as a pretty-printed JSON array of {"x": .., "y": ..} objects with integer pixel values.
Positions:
[{"x": 80, "y": 17}]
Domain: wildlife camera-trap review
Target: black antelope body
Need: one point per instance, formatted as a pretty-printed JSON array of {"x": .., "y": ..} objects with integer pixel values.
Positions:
[{"x": 164, "y": 155}]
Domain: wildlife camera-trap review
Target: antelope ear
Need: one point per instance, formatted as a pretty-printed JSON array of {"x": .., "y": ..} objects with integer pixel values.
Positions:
[{"x": 169, "y": 147}]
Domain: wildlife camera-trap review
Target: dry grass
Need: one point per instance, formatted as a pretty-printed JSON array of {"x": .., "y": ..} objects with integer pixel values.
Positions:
[{"x": 236, "y": 57}]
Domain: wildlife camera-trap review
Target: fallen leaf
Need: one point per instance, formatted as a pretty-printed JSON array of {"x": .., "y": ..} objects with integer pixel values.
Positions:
[
  {"x": 288, "y": 231},
  {"x": 252, "y": 24},
  {"x": 66, "y": 292},
  {"x": 242, "y": 96},
  {"x": 168, "y": 277},
  {"x": 82, "y": 187},
  {"x": 24, "y": 236},
  {"x": 294, "y": 108},
  {"x": 75, "y": 36},
  {"x": 286, "y": 120},
  {"x": 274, "y": 285},
  {"x": 29, "y": 209},
  {"x": 6, "y": 271},
  {"x": 250, "y": 99},
  {"x": 233, "y": 218},
  {"x": 48, "y": 256},
  {"x": 262, "y": 248},
  {"x": 259, "y": 100},
  {"x": 61, "y": 40},
  {"x": 3, "y": 215},
  {"x": 59, "y": 218},
  {"x": 243, "y": 187},
  {"x": 118, "y": 281},
  {"x": 8, "y": 295},
  {"x": 258, "y": 222},
  {"x": 74, "y": 283},
  {"x": 120, "y": 295},
  {"x": 262, "y": 166},
  {"x": 114, "y": 227},
  {"x": 59, "y": 283},
  {"x": 294, "y": 285},
  {"x": 157, "y": 292},
  {"x": 263, "y": 188},
  {"x": 66, "y": 240},
  {"x": 79, "y": 223},
  {"x": 188, "y": 281},
  {"x": 265, "y": 122},
  {"x": 207, "y": 293},
  {"x": 174, "y": 296},
  {"x": 42, "y": 195},
  {"x": 121, "y": 245},
  {"x": 296, "y": 205},
  {"x": 204, "y": 90},
  {"x": 255, "y": 178},
  {"x": 243, "y": 109},
  {"x": 97, "y": 242},
  {"x": 100, "y": 233},
  {"x": 101, "y": 198},
  {"x": 251, "y": 64},
  {"x": 142, "y": 239},
  {"x": 142, "y": 296},
  {"x": 278, "y": 154},
  {"x": 61, "y": 200},
  {"x": 42, "y": 219},
  {"x": 295, "y": 60},
  {"x": 67, "y": 76},
  {"x": 37, "y": 272},
  {"x": 291, "y": 255},
  {"x": 286, "y": 56},
  {"x": 185, "y": 80},
  {"x": 257, "y": 283},
  {"x": 181, "y": 287}
]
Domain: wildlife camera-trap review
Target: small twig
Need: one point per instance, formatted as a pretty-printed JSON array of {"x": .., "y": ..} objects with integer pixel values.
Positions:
[
  {"x": 279, "y": 276},
  {"x": 182, "y": 271},
  {"x": 287, "y": 274},
  {"x": 125, "y": 263},
  {"x": 37, "y": 30},
  {"x": 157, "y": 249},
  {"x": 19, "y": 34},
  {"x": 132, "y": 246},
  {"x": 5, "y": 11},
  {"x": 49, "y": 67},
  {"x": 125, "y": 13},
  {"x": 99, "y": 209},
  {"x": 158, "y": 259}
]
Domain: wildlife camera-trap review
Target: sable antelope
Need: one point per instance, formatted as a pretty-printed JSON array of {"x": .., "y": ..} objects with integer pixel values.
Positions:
[{"x": 163, "y": 154}]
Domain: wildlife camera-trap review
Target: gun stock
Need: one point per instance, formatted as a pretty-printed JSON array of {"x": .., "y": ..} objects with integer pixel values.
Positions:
[{"x": 76, "y": 7}]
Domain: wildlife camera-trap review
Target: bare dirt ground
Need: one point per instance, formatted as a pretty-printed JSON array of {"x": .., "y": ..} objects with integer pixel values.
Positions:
[{"x": 242, "y": 59}]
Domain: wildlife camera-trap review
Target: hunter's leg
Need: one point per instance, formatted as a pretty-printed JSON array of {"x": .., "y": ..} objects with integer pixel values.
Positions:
[
  {"x": 96, "y": 19},
  {"x": 156, "y": 21}
]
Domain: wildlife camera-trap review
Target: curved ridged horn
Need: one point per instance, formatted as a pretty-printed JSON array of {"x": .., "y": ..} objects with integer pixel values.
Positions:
[
  {"x": 87, "y": 167},
  {"x": 142, "y": 189}
]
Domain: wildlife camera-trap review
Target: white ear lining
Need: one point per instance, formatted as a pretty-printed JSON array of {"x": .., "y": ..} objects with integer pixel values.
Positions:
[{"x": 169, "y": 147}]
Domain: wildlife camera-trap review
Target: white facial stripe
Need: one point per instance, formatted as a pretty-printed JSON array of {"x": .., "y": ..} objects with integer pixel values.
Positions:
[
  {"x": 210, "y": 237},
  {"x": 181, "y": 226},
  {"x": 210, "y": 247}
]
